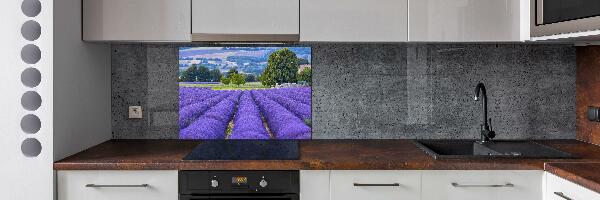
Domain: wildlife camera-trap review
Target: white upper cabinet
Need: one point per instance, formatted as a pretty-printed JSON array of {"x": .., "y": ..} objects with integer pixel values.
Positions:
[
  {"x": 245, "y": 20},
  {"x": 468, "y": 20},
  {"x": 136, "y": 20},
  {"x": 353, "y": 20}
]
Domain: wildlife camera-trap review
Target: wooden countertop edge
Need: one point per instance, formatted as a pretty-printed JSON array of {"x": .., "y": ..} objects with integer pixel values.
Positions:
[
  {"x": 324, "y": 155},
  {"x": 576, "y": 178},
  {"x": 294, "y": 165}
]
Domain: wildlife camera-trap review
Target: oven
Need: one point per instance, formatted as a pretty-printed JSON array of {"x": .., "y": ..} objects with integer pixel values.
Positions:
[
  {"x": 552, "y": 17},
  {"x": 238, "y": 185}
]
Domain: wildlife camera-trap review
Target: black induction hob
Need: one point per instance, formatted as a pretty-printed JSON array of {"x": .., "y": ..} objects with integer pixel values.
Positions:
[{"x": 245, "y": 150}]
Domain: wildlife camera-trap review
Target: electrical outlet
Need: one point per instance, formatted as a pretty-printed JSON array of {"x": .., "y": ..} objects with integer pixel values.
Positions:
[{"x": 135, "y": 112}]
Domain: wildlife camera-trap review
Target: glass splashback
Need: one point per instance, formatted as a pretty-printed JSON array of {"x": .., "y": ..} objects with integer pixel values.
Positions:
[{"x": 245, "y": 93}]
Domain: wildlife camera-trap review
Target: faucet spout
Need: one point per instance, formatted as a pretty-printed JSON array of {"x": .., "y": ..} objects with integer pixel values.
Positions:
[{"x": 480, "y": 94}]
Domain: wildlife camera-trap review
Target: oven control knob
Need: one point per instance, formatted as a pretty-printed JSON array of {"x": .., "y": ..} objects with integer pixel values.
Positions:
[
  {"x": 263, "y": 183},
  {"x": 214, "y": 183}
]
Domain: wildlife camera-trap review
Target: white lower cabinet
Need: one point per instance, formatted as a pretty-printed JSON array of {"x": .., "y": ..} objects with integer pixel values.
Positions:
[
  {"x": 482, "y": 185},
  {"x": 314, "y": 184},
  {"x": 117, "y": 185},
  {"x": 421, "y": 185},
  {"x": 375, "y": 185},
  {"x": 560, "y": 189}
]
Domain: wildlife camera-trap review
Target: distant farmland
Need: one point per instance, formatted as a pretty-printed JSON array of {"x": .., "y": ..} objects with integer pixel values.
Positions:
[{"x": 220, "y": 86}]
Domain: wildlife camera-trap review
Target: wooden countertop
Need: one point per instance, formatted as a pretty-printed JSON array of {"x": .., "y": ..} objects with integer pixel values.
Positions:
[
  {"x": 314, "y": 155},
  {"x": 584, "y": 174}
]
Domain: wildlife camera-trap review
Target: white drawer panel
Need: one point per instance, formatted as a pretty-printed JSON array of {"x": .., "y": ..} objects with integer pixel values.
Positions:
[
  {"x": 482, "y": 185},
  {"x": 162, "y": 185},
  {"x": 343, "y": 188},
  {"x": 567, "y": 189},
  {"x": 314, "y": 184}
]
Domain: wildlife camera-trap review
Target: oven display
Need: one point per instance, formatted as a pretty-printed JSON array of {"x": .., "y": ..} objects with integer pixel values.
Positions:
[{"x": 239, "y": 180}]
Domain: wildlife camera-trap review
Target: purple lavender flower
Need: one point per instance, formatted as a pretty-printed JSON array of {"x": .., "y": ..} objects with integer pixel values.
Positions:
[
  {"x": 301, "y": 110},
  {"x": 188, "y": 114},
  {"x": 282, "y": 123},
  {"x": 295, "y": 94},
  {"x": 247, "y": 122},
  {"x": 191, "y": 95},
  {"x": 213, "y": 123}
]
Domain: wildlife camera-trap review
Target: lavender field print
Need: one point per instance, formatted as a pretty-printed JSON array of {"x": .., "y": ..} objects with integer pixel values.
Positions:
[{"x": 245, "y": 93}]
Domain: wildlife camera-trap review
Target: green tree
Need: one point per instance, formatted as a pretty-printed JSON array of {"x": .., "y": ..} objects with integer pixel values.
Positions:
[
  {"x": 225, "y": 80},
  {"x": 302, "y": 61},
  {"x": 215, "y": 75},
  {"x": 203, "y": 74},
  {"x": 190, "y": 74},
  {"x": 282, "y": 67},
  {"x": 231, "y": 72},
  {"x": 305, "y": 75},
  {"x": 238, "y": 79},
  {"x": 250, "y": 78},
  {"x": 267, "y": 79}
]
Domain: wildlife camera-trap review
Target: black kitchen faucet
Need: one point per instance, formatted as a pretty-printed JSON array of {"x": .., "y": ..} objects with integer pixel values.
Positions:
[{"x": 487, "y": 134}]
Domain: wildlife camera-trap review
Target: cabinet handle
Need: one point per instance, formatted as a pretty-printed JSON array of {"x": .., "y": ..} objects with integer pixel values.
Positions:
[
  {"x": 562, "y": 195},
  {"x": 115, "y": 186},
  {"x": 376, "y": 184},
  {"x": 498, "y": 185}
]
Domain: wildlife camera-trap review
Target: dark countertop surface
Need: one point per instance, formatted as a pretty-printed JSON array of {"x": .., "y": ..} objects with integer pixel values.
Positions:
[
  {"x": 314, "y": 154},
  {"x": 584, "y": 174},
  {"x": 332, "y": 155}
]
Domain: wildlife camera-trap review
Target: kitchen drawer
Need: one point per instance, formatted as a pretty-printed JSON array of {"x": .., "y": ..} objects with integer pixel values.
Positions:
[
  {"x": 556, "y": 186},
  {"x": 482, "y": 185},
  {"x": 314, "y": 184},
  {"x": 404, "y": 185},
  {"x": 162, "y": 185}
]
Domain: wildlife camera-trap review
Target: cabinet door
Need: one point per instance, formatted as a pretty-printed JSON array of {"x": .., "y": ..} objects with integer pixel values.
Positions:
[
  {"x": 560, "y": 189},
  {"x": 136, "y": 20},
  {"x": 354, "y": 20},
  {"x": 375, "y": 185},
  {"x": 468, "y": 20},
  {"x": 314, "y": 185},
  {"x": 117, "y": 185},
  {"x": 245, "y": 20},
  {"x": 478, "y": 185}
]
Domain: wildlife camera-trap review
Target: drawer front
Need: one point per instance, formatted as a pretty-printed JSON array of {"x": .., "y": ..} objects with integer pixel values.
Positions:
[
  {"x": 375, "y": 185},
  {"x": 560, "y": 189},
  {"x": 117, "y": 185},
  {"x": 314, "y": 184},
  {"x": 478, "y": 185}
]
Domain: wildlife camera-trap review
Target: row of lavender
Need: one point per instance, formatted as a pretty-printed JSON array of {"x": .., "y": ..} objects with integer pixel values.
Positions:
[{"x": 253, "y": 114}]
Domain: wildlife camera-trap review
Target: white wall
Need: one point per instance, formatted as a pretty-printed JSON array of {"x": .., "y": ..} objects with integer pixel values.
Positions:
[
  {"x": 21, "y": 177},
  {"x": 82, "y": 109}
]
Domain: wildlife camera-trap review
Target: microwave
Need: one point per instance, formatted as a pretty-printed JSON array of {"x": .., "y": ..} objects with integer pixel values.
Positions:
[{"x": 553, "y": 17}]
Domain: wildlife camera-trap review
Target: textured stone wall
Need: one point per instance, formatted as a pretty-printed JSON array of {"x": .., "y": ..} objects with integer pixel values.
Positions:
[{"x": 373, "y": 91}]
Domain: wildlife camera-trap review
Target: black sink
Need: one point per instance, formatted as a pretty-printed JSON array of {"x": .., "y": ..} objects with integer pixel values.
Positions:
[{"x": 469, "y": 149}]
